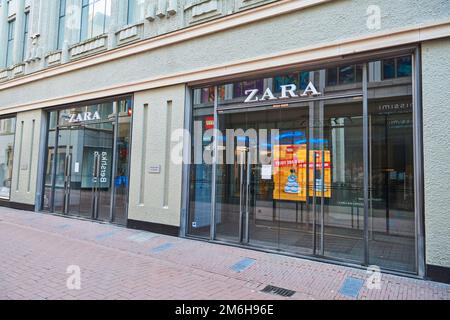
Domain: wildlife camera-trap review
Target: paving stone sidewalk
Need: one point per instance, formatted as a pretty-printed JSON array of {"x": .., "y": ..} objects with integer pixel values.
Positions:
[{"x": 37, "y": 249}]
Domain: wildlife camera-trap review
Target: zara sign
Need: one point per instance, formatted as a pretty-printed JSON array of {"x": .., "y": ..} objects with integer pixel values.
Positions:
[
  {"x": 84, "y": 116},
  {"x": 287, "y": 91}
]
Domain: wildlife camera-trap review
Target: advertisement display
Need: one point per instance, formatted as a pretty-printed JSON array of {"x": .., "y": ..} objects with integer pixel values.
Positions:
[{"x": 290, "y": 173}]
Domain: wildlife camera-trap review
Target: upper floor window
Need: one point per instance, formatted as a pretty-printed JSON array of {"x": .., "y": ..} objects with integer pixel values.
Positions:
[
  {"x": 135, "y": 11},
  {"x": 61, "y": 23},
  {"x": 95, "y": 15},
  {"x": 25, "y": 35},
  {"x": 10, "y": 42}
]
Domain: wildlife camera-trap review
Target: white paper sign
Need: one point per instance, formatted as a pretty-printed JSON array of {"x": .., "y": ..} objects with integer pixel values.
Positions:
[
  {"x": 266, "y": 172},
  {"x": 155, "y": 169},
  {"x": 77, "y": 167}
]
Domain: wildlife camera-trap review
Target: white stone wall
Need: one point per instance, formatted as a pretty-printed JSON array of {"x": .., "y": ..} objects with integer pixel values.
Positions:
[
  {"x": 436, "y": 140},
  {"x": 155, "y": 194},
  {"x": 26, "y": 157}
]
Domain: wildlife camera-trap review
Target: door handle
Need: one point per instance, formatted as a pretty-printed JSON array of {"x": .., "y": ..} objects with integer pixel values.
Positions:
[
  {"x": 67, "y": 171},
  {"x": 247, "y": 197},
  {"x": 66, "y": 164},
  {"x": 95, "y": 184},
  {"x": 96, "y": 169},
  {"x": 241, "y": 193}
]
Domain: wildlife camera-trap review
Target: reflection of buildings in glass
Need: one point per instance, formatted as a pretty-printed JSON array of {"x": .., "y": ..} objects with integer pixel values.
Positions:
[
  {"x": 339, "y": 78},
  {"x": 86, "y": 137},
  {"x": 98, "y": 142},
  {"x": 336, "y": 126},
  {"x": 7, "y": 132}
]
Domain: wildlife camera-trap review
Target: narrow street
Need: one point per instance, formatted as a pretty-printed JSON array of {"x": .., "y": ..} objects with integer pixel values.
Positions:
[{"x": 39, "y": 253}]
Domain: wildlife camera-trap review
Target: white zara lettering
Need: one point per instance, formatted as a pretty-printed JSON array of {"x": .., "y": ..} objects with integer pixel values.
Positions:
[
  {"x": 85, "y": 116},
  {"x": 310, "y": 91},
  {"x": 287, "y": 91},
  {"x": 251, "y": 95}
]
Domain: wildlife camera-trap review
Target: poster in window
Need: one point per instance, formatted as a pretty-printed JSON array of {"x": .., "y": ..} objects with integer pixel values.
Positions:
[{"x": 290, "y": 173}]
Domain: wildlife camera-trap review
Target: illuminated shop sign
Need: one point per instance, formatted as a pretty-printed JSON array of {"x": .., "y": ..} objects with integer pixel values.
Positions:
[{"x": 287, "y": 91}]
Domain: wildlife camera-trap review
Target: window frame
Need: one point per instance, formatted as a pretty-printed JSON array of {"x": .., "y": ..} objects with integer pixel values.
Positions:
[
  {"x": 14, "y": 129},
  {"x": 9, "y": 59},
  {"x": 396, "y": 76},
  {"x": 26, "y": 32},
  {"x": 61, "y": 23},
  {"x": 129, "y": 19},
  {"x": 87, "y": 22}
]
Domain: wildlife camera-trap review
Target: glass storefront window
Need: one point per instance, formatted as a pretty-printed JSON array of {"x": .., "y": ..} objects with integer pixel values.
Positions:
[
  {"x": 87, "y": 166},
  {"x": 123, "y": 145},
  {"x": 7, "y": 134},
  {"x": 290, "y": 167},
  {"x": 392, "y": 241},
  {"x": 201, "y": 170},
  {"x": 91, "y": 113},
  {"x": 344, "y": 75},
  {"x": 347, "y": 75},
  {"x": 404, "y": 67},
  {"x": 389, "y": 69},
  {"x": 397, "y": 68}
]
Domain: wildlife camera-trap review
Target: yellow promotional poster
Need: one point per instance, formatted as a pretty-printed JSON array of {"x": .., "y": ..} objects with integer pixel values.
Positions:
[{"x": 290, "y": 164}]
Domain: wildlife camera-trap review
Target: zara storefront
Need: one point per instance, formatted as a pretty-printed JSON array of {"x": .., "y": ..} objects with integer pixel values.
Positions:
[
  {"x": 321, "y": 160},
  {"x": 86, "y": 170}
]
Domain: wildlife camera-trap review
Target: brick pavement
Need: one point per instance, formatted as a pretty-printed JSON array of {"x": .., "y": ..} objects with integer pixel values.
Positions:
[{"x": 118, "y": 263}]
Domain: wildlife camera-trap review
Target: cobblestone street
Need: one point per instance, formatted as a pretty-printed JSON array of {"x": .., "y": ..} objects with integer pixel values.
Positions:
[{"x": 118, "y": 263}]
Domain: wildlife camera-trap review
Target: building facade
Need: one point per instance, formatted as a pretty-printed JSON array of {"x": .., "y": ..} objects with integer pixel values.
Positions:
[{"x": 312, "y": 128}]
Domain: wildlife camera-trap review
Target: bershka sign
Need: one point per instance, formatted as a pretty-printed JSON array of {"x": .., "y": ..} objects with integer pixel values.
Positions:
[
  {"x": 84, "y": 116},
  {"x": 287, "y": 92}
]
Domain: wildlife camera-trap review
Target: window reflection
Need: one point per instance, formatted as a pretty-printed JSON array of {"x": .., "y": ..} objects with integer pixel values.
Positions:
[
  {"x": 95, "y": 16},
  {"x": 81, "y": 139},
  {"x": 397, "y": 68},
  {"x": 279, "y": 202},
  {"x": 7, "y": 132},
  {"x": 135, "y": 11}
]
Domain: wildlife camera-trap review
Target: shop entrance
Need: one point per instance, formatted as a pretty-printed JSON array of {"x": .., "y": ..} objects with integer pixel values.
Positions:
[
  {"x": 88, "y": 161},
  {"x": 317, "y": 162},
  {"x": 85, "y": 157},
  {"x": 274, "y": 186}
]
